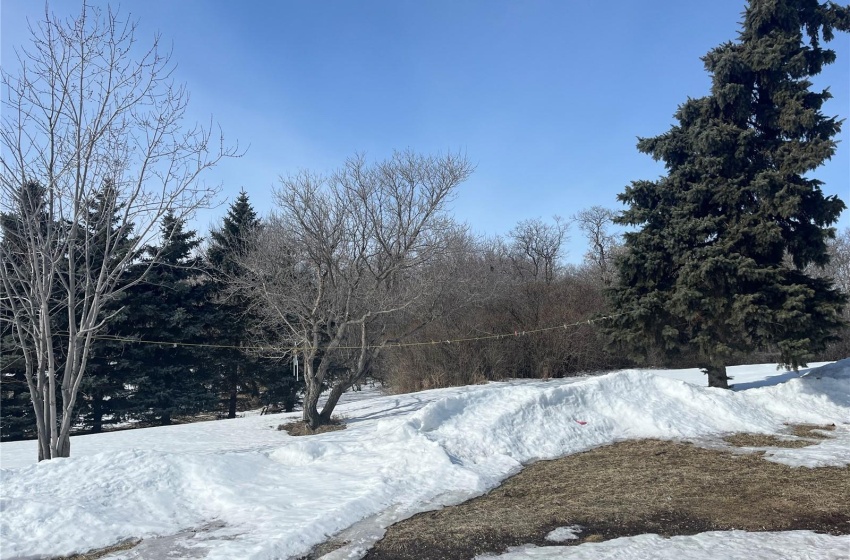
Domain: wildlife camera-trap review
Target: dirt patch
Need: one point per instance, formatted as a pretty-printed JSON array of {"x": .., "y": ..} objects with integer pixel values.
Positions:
[
  {"x": 762, "y": 440},
  {"x": 324, "y": 548},
  {"x": 195, "y": 542},
  {"x": 800, "y": 435},
  {"x": 101, "y": 552},
  {"x": 299, "y": 428},
  {"x": 811, "y": 430},
  {"x": 626, "y": 489}
]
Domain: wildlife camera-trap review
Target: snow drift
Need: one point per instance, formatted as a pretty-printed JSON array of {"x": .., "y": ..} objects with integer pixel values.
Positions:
[{"x": 259, "y": 493}]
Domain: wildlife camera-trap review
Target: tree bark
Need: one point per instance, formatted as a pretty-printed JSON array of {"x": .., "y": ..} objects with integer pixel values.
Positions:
[
  {"x": 63, "y": 447},
  {"x": 311, "y": 417},
  {"x": 311, "y": 398},
  {"x": 333, "y": 398},
  {"x": 717, "y": 375}
]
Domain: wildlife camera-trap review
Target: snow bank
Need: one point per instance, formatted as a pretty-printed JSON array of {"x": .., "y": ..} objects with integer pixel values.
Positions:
[
  {"x": 259, "y": 493},
  {"x": 729, "y": 545}
]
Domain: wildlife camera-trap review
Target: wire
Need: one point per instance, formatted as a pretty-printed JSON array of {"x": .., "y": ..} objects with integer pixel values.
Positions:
[
  {"x": 564, "y": 326},
  {"x": 189, "y": 344}
]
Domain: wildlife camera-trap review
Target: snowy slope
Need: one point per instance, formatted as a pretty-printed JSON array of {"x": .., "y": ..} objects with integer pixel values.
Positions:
[{"x": 242, "y": 489}]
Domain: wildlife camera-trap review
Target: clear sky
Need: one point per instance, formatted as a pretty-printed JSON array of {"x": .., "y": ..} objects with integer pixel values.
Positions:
[{"x": 546, "y": 97}]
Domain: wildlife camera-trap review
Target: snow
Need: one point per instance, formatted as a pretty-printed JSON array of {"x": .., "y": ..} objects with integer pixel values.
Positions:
[
  {"x": 729, "y": 545},
  {"x": 743, "y": 377},
  {"x": 562, "y": 534},
  {"x": 243, "y": 489}
]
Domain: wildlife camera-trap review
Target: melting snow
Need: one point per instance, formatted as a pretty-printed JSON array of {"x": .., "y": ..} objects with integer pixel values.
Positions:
[
  {"x": 242, "y": 489},
  {"x": 562, "y": 534},
  {"x": 729, "y": 545}
]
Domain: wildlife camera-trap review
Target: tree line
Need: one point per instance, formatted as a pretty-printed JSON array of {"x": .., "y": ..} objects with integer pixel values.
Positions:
[
  {"x": 347, "y": 281},
  {"x": 205, "y": 332},
  {"x": 113, "y": 310},
  {"x": 172, "y": 346}
]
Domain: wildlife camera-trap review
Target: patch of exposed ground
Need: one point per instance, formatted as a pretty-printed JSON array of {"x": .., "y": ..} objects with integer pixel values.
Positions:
[
  {"x": 101, "y": 552},
  {"x": 188, "y": 543},
  {"x": 625, "y": 489},
  {"x": 762, "y": 440},
  {"x": 799, "y": 435},
  {"x": 300, "y": 428},
  {"x": 322, "y": 549},
  {"x": 811, "y": 430}
]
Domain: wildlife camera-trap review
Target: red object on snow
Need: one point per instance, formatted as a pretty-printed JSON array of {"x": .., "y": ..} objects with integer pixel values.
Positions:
[{"x": 580, "y": 422}]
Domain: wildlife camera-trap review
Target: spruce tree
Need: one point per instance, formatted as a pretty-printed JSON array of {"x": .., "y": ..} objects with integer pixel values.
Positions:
[
  {"x": 233, "y": 238},
  {"x": 716, "y": 268},
  {"x": 235, "y": 324},
  {"x": 168, "y": 365},
  {"x": 17, "y": 417},
  {"x": 17, "y": 420},
  {"x": 104, "y": 389}
]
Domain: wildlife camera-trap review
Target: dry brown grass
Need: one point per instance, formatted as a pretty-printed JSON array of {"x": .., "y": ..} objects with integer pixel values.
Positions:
[
  {"x": 629, "y": 488},
  {"x": 801, "y": 435},
  {"x": 594, "y": 537},
  {"x": 299, "y": 428},
  {"x": 762, "y": 440},
  {"x": 811, "y": 430}
]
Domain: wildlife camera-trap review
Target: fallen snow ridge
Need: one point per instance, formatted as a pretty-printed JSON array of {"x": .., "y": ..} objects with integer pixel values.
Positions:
[{"x": 259, "y": 493}]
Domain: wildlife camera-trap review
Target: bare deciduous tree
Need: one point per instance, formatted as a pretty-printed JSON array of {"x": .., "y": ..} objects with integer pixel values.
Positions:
[
  {"x": 595, "y": 222},
  {"x": 84, "y": 112},
  {"x": 537, "y": 248},
  {"x": 345, "y": 267},
  {"x": 838, "y": 270},
  {"x": 519, "y": 325},
  {"x": 839, "y": 264},
  {"x": 535, "y": 251}
]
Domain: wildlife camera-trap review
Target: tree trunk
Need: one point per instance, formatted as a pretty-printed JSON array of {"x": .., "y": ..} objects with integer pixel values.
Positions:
[
  {"x": 38, "y": 409},
  {"x": 63, "y": 447},
  {"x": 97, "y": 413},
  {"x": 717, "y": 375},
  {"x": 43, "y": 446},
  {"x": 234, "y": 389},
  {"x": 311, "y": 400},
  {"x": 333, "y": 398}
]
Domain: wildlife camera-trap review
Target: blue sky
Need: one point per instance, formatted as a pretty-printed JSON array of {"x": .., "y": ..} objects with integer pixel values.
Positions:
[{"x": 546, "y": 97}]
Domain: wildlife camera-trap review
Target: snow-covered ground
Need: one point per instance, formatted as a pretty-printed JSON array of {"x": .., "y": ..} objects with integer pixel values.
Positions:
[
  {"x": 243, "y": 489},
  {"x": 728, "y": 545}
]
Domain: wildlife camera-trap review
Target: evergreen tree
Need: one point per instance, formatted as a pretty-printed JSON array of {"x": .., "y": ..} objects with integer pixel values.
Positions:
[
  {"x": 717, "y": 266},
  {"x": 170, "y": 379},
  {"x": 104, "y": 390},
  {"x": 17, "y": 418},
  {"x": 233, "y": 238},
  {"x": 236, "y": 325}
]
